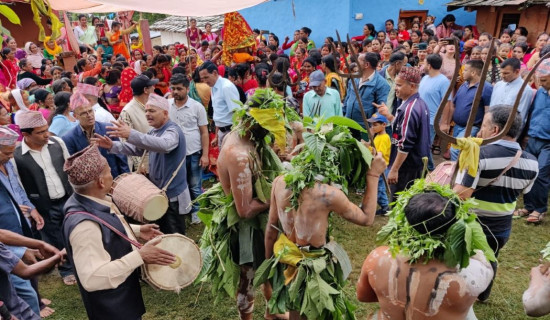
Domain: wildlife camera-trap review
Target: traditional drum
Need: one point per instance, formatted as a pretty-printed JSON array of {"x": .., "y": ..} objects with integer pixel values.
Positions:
[
  {"x": 139, "y": 198},
  {"x": 181, "y": 273},
  {"x": 443, "y": 173}
]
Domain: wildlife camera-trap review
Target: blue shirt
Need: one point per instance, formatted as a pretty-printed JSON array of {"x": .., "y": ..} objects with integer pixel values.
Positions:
[
  {"x": 61, "y": 125},
  {"x": 326, "y": 106},
  {"x": 224, "y": 101},
  {"x": 432, "y": 90},
  {"x": 374, "y": 90},
  {"x": 505, "y": 93},
  {"x": 11, "y": 182},
  {"x": 540, "y": 114},
  {"x": 464, "y": 99}
]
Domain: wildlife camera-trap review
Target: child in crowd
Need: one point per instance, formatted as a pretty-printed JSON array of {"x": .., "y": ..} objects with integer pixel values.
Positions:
[
  {"x": 429, "y": 23},
  {"x": 393, "y": 38},
  {"x": 504, "y": 51},
  {"x": 382, "y": 143}
]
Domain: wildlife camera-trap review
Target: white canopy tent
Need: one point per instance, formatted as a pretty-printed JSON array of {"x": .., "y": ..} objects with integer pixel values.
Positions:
[{"x": 179, "y": 8}]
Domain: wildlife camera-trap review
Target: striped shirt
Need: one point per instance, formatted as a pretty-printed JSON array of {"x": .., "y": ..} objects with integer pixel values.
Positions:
[{"x": 496, "y": 202}]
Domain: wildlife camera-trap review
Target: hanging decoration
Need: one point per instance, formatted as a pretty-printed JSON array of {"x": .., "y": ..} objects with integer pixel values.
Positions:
[{"x": 39, "y": 8}]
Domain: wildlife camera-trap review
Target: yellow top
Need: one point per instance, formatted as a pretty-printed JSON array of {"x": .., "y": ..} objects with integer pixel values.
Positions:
[{"x": 382, "y": 143}]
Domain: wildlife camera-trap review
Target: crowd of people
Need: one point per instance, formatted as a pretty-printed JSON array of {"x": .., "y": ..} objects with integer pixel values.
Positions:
[{"x": 181, "y": 112}]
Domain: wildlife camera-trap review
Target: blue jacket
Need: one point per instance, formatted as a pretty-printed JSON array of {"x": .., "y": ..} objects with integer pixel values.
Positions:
[
  {"x": 375, "y": 90},
  {"x": 75, "y": 140}
]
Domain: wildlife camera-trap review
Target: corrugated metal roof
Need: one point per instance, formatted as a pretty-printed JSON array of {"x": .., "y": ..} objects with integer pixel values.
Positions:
[
  {"x": 179, "y": 24},
  {"x": 494, "y": 3}
]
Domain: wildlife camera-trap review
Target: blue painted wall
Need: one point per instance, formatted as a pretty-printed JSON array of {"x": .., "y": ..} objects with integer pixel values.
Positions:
[
  {"x": 325, "y": 16},
  {"x": 321, "y": 16}
]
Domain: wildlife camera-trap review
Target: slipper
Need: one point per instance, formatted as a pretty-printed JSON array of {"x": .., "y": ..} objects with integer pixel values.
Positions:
[
  {"x": 519, "y": 213},
  {"x": 46, "y": 312},
  {"x": 535, "y": 217},
  {"x": 69, "y": 280},
  {"x": 46, "y": 302}
]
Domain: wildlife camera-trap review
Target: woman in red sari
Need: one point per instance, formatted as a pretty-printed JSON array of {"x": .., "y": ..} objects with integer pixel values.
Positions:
[
  {"x": 8, "y": 68},
  {"x": 125, "y": 95},
  {"x": 161, "y": 63}
]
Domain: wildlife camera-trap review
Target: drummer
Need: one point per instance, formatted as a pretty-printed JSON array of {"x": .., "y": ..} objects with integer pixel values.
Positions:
[
  {"x": 166, "y": 146},
  {"x": 106, "y": 264}
]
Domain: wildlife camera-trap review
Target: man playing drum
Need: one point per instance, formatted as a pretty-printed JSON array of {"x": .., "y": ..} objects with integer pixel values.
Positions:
[
  {"x": 167, "y": 150},
  {"x": 106, "y": 263}
]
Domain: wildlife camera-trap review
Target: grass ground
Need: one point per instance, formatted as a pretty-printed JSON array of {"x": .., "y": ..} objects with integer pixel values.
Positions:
[{"x": 516, "y": 259}]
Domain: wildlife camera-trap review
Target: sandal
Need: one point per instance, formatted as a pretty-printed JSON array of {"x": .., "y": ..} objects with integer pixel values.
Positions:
[
  {"x": 69, "y": 280},
  {"x": 436, "y": 150},
  {"x": 535, "y": 217},
  {"x": 520, "y": 213}
]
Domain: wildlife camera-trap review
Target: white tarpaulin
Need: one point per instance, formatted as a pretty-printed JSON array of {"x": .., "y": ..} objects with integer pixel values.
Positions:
[{"x": 192, "y": 8}]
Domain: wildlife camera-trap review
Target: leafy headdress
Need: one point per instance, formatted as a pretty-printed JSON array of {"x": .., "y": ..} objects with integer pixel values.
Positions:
[
  {"x": 454, "y": 247},
  {"x": 267, "y": 109},
  {"x": 330, "y": 155}
]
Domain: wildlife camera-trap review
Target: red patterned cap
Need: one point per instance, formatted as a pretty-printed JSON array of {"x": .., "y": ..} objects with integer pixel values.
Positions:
[
  {"x": 8, "y": 137},
  {"x": 85, "y": 166},
  {"x": 27, "y": 119},
  {"x": 88, "y": 89},
  {"x": 78, "y": 100},
  {"x": 410, "y": 74},
  {"x": 544, "y": 68}
]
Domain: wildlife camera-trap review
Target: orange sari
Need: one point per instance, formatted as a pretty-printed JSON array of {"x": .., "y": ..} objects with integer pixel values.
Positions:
[{"x": 119, "y": 48}]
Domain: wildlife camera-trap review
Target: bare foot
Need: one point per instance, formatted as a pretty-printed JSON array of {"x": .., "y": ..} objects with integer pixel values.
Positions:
[
  {"x": 46, "y": 302},
  {"x": 269, "y": 316},
  {"x": 69, "y": 280},
  {"x": 46, "y": 312}
]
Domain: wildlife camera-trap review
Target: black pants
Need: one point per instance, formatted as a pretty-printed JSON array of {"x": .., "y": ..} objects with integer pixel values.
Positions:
[
  {"x": 172, "y": 221},
  {"x": 405, "y": 178},
  {"x": 496, "y": 243},
  {"x": 52, "y": 233}
]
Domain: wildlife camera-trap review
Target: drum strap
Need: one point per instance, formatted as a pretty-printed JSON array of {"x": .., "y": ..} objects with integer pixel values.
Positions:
[
  {"x": 106, "y": 224},
  {"x": 173, "y": 175}
]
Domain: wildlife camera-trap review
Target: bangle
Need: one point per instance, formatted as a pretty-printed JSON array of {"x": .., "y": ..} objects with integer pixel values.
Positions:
[{"x": 373, "y": 175}]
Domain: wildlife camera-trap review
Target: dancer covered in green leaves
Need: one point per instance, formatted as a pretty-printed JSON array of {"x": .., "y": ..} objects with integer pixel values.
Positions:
[
  {"x": 434, "y": 261},
  {"x": 235, "y": 210},
  {"x": 306, "y": 270}
]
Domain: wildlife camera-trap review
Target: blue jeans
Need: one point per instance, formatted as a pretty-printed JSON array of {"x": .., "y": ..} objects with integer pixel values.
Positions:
[
  {"x": 25, "y": 291},
  {"x": 537, "y": 198},
  {"x": 458, "y": 132},
  {"x": 382, "y": 197},
  {"x": 194, "y": 177}
]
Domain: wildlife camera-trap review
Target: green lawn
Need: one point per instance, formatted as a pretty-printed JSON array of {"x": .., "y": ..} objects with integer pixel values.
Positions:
[{"x": 516, "y": 259}]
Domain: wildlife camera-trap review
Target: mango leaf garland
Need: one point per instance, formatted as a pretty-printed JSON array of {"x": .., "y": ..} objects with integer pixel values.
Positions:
[{"x": 455, "y": 247}]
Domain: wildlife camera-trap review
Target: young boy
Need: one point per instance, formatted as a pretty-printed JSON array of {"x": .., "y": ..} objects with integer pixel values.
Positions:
[{"x": 382, "y": 143}]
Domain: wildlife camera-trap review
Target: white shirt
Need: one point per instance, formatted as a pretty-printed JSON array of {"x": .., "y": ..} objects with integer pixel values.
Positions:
[
  {"x": 224, "y": 95},
  {"x": 189, "y": 117},
  {"x": 102, "y": 115},
  {"x": 44, "y": 161}
]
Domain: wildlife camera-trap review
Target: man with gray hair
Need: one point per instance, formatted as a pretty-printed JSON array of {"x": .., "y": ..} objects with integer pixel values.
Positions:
[
  {"x": 166, "y": 146},
  {"x": 503, "y": 174}
]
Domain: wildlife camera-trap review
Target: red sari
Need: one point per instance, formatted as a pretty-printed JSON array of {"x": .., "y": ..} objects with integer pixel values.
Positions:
[{"x": 125, "y": 95}]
